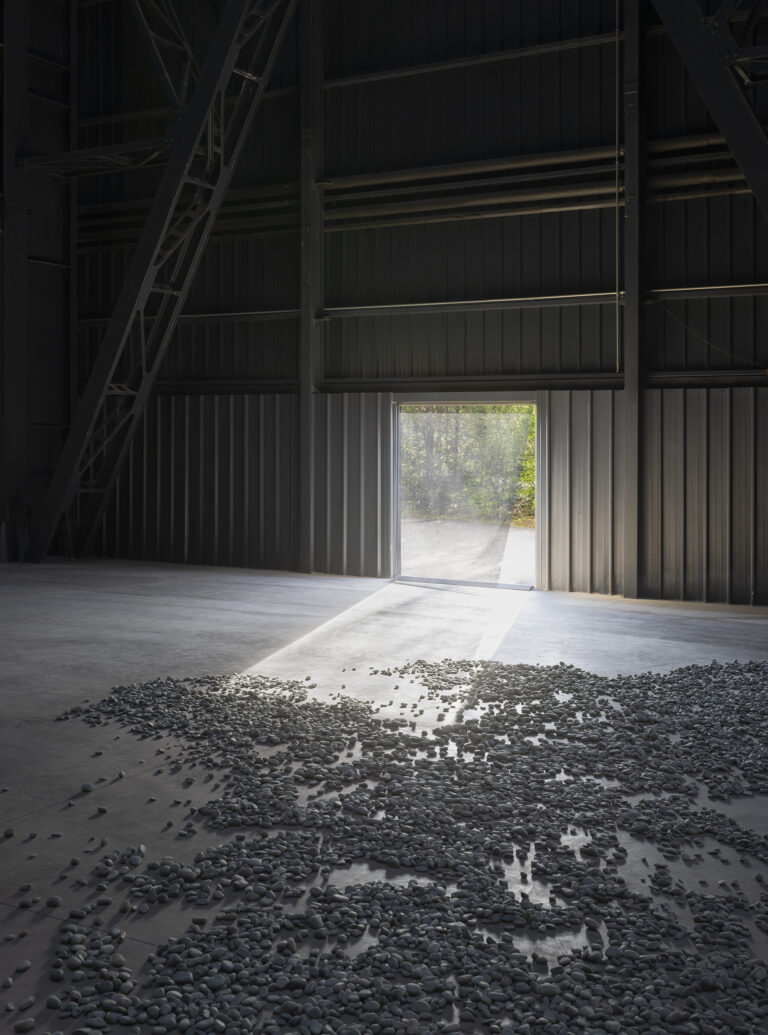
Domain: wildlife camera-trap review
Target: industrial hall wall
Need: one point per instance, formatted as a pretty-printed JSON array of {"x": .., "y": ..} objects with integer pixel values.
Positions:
[{"x": 469, "y": 160}]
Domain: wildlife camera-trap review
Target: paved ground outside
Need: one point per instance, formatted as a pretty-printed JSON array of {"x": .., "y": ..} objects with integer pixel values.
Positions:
[{"x": 467, "y": 550}]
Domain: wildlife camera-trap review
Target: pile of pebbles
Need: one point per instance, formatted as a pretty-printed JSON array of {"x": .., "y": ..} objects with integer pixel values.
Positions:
[{"x": 437, "y": 940}]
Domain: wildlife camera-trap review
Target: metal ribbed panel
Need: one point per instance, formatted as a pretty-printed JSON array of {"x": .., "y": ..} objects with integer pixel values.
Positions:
[
  {"x": 353, "y": 436},
  {"x": 760, "y": 498},
  {"x": 435, "y": 118},
  {"x": 742, "y": 494},
  {"x": 601, "y": 491},
  {"x": 580, "y": 490},
  {"x": 560, "y": 491},
  {"x": 209, "y": 480},
  {"x": 380, "y": 35},
  {"x": 695, "y": 487},
  {"x": 716, "y": 241},
  {"x": 492, "y": 258},
  {"x": 498, "y": 258},
  {"x": 673, "y": 490},
  {"x": 529, "y": 341},
  {"x": 718, "y": 438},
  {"x": 704, "y": 527}
]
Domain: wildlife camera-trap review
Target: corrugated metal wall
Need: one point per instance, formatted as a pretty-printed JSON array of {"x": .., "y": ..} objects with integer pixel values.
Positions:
[
  {"x": 705, "y": 495},
  {"x": 704, "y": 498},
  {"x": 213, "y": 475},
  {"x": 717, "y": 241},
  {"x": 501, "y": 258},
  {"x": 353, "y": 464},
  {"x": 210, "y": 479},
  {"x": 580, "y": 539}
]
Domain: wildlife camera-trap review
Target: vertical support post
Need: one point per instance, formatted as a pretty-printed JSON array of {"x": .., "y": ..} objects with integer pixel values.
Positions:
[
  {"x": 543, "y": 495},
  {"x": 312, "y": 115},
  {"x": 15, "y": 318},
  {"x": 73, "y": 204},
  {"x": 632, "y": 337}
]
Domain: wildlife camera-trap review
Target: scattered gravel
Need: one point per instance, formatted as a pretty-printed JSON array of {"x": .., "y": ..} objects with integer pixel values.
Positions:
[{"x": 373, "y": 877}]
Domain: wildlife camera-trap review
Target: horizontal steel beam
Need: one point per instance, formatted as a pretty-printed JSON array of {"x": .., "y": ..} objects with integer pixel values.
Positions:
[
  {"x": 222, "y": 386},
  {"x": 485, "y": 383},
  {"x": 484, "y": 165},
  {"x": 239, "y": 316},
  {"x": 708, "y": 291},
  {"x": 702, "y": 291},
  {"x": 474, "y": 60},
  {"x": 707, "y": 378},
  {"x": 455, "y": 169},
  {"x": 472, "y": 383},
  {"x": 470, "y": 305}
]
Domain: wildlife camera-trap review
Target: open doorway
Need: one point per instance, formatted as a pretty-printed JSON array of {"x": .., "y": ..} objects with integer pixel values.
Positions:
[{"x": 466, "y": 493}]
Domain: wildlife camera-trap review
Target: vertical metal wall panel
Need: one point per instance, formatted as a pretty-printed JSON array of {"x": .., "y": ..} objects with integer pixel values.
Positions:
[
  {"x": 353, "y": 435},
  {"x": 673, "y": 492},
  {"x": 543, "y": 485},
  {"x": 696, "y": 494},
  {"x": 719, "y": 240},
  {"x": 493, "y": 258},
  {"x": 601, "y": 492},
  {"x": 719, "y": 503},
  {"x": 704, "y": 528},
  {"x": 381, "y": 35},
  {"x": 650, "y": 531},
  {"x": 579, "y": 513},
  {"x": 209, "y": 480},
  {"x": 742, "y": 495},
  {"x": 580, "y": 545},
  {"x": 760, "y": 483},
  {"x": 456, "y": 115},
  {"x": 560, "y": 490},
  {"x": 616, "y": 429},
  {"x": 212, "y": 478}
]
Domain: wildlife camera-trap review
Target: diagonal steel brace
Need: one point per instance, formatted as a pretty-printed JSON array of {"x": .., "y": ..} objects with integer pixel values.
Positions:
[
  {"x": 708, "y": 49},
  {"x": 163, "y": 267}
]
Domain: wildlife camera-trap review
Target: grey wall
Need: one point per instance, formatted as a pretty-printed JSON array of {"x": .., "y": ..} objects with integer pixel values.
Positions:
[
  {"x": 210, "y": 479},
  {"x": 579, "y": 518},
  {"x": 213, "y": 479},
  {"x": 353, "y": 441},
  {"x": 214, "y": 476},
  {"x": 704, "y": 493}
]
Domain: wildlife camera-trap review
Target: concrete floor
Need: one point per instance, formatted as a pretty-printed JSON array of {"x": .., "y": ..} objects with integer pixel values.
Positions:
[{"x": 73, "y": 630}]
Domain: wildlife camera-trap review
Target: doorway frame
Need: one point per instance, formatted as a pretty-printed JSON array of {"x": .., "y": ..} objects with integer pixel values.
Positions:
[{"x": 456, "y": 399}]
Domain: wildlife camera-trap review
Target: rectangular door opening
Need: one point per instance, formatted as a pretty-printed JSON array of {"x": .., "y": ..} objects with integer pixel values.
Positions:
[{"x": 466, "y": 494}]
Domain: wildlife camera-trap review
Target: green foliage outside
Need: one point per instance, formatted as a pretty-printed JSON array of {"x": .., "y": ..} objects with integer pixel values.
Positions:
[
  {"x": 524, "y": 510},
  {"x": 468, "y": 463}
]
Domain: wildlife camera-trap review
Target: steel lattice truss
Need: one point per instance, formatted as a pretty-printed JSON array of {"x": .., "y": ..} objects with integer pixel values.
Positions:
[
  {"x": 727, "y": 66},
  {"x": 215, "y": 105}
]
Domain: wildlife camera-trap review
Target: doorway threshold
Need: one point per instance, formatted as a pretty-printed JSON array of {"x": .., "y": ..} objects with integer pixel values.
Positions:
[{"x": 464, "y": 582}]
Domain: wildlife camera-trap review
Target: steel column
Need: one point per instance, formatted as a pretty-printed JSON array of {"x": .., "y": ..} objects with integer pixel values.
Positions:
[
  {"x": 161, "y": 272},
  {"x": 709, "y": 52},
  {"x": 15, "y": 246},
  {"x": 633, "y": 294},
  {"x": 311, "y": 72}
]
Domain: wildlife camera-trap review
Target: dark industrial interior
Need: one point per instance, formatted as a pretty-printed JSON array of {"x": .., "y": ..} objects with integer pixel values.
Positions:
[{"x": 384, "y": 517}]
